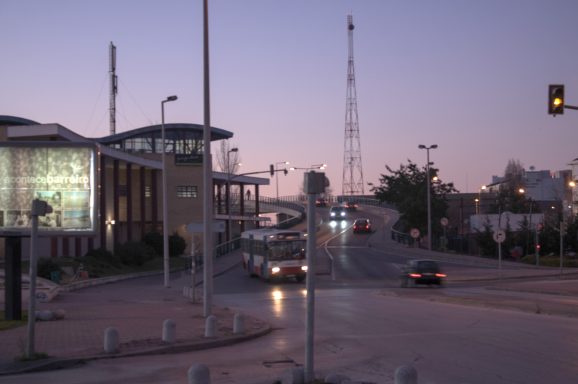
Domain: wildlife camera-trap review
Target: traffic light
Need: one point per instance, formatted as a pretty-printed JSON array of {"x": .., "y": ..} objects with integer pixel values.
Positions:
[
  {"x": 556, "y": 99},
  {"x": 272, "y": 169},
  {"x": 285, "y": 171}
]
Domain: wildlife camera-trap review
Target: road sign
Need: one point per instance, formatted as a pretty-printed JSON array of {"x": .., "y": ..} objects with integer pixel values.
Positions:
[
  {"x": 444, "y": 221},
  {"x": 499, "y": 236},
  {"x": 414, "y": 233}
]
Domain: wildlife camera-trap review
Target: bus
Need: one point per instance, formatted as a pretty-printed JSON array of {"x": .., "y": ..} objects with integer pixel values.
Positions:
[{"x": 274, "y": 253}]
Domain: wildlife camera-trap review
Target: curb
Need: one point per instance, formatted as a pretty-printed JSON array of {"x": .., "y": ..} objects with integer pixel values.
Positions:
[{"x": 63, "y": 363}]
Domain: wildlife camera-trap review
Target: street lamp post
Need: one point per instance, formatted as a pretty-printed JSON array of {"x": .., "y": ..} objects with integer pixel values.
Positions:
[
  {"x": 166, "y": 266},
  {"x": 429, "y": 234},
  {"x": 229, "y": 192},
  {"x": 277, "y": 175}
]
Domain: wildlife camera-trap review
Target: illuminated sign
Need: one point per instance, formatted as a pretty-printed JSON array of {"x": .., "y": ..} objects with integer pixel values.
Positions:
[{"x": 63, "y": 175}]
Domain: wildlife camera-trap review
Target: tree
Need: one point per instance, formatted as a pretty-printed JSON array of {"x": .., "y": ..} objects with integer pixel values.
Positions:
[
  {"x": 406, "y": 188},
  {"x": 225, "y": 154}
]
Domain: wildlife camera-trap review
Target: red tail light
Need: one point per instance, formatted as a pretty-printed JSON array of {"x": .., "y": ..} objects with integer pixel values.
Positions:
[
  {"x": 415, "y": 275},
  {"x": 441, "y": 275}
]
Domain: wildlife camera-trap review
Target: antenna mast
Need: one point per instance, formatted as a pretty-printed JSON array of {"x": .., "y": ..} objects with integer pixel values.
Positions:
[
  {"x": 352, "y": 169},
  {"x": 113, "y": 88}
]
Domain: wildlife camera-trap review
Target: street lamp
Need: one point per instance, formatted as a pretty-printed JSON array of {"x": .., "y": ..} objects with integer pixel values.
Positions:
[
  {"x": 166, "y": 267},
  {"x": 277, "y": 175},
  {"x": 429, "y": 234},
  {"x": 310, "y": 168},
  {"x": 229, "y": 190}
]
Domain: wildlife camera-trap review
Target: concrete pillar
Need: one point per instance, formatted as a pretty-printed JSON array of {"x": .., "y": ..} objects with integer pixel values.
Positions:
[
  {"x": 238, "y": 324},
  {"x": 199, "y": 374},
  {"x": 169, "y": 331},
  {"x": 211, "y": 326},
  {"x": 111, "y": 340},
  {"x": 406, "y": 374}
]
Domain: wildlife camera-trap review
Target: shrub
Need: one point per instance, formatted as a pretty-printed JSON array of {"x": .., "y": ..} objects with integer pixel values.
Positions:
[
  {"x": 177, "y": 245},
  {"x": 102, "y": 255},
  {"x": 135, "y": 253},
  {"x": 155, "y": 241},
  {"x": 46, "y": 266}
]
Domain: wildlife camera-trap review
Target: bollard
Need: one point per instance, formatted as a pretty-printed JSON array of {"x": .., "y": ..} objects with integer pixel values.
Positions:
[
  {"x": 238, "y": 324},
  {"x": 406, "y": 374},
  {"x": 111, "y": 340},
  {"x": 211, "y": 326},
  {"x": 169, "y": 331},
  {"x": 199, "y": 374}
]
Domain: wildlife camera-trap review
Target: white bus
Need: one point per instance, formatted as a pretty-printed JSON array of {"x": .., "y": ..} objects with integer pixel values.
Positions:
[{"x": 274, "y": 253}]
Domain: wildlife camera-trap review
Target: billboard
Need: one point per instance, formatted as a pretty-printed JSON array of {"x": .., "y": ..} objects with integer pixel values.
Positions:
[{"x": 63, "y": 175}]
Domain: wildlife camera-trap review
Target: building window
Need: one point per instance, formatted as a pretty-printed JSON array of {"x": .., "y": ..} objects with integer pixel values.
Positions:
[{"x": 187, "y": 191}]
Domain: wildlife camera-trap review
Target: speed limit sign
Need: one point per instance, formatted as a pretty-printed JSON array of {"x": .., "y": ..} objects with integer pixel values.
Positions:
[{"x": 414, "y": 233}]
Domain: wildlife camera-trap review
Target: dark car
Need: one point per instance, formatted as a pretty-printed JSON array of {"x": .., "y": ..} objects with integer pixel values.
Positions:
[
  {"x": 350, "y": 206},
  {"x": 321, "y": 202},
  {"x": 362, "y": 225},
  {"x": 422, "y": 272},
  {"x": 337, "y": 213}
]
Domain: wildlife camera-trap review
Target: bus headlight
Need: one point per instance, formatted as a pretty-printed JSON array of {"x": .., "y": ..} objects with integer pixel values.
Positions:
[
  {"x": 275, "y": 270},
  {"x": 304, "y": 268}
]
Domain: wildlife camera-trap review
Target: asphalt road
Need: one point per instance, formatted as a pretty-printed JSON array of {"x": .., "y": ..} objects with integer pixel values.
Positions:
[{"x": 366, "y": 326}]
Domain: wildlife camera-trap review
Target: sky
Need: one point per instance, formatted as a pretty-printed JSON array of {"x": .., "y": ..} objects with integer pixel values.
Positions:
[{"x": 469, "y": 76}]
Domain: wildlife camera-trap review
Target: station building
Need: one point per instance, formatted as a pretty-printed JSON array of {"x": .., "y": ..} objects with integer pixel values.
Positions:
[{"x": 107, "y": 191}]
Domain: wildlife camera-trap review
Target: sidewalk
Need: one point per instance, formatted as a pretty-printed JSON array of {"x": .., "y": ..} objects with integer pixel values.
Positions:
[{"x": 137, "y": 308}]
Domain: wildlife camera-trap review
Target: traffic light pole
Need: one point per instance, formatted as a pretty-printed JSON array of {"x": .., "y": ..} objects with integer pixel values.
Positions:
[{"x": 570, "y": 107}]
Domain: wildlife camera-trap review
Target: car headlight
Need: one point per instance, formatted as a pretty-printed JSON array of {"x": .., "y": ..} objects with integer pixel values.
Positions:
[
  {"x": 275, "y": 270},
  {"x": 304, "y": 268}
]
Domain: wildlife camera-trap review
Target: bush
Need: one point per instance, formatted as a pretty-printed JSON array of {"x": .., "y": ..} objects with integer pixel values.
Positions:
[
  {"x": 46, "y": 266},
  {"x": 155, "y": 241},
  {"x": 177, "y": 245},
  {"x": 135, "y": 253},
  {"x": 102, "y": 255}
]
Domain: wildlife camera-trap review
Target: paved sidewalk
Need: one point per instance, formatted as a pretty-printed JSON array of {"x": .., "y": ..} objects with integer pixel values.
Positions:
[{"x": 137, "y": 308}]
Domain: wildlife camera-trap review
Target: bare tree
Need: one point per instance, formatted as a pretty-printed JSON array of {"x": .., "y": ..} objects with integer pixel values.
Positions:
[
  {"x": 228, "y": 152},
  {"x": 514, "y": 174}
]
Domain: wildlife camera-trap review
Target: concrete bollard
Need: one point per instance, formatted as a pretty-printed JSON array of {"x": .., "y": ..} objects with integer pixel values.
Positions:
[
  {"x": 199, "y": 374},
  {"x": 238, "y": 324},
  {"x": 211, "y": 326},
  {"x": 111, "y": 340},
  {"x": 406, "y": 374},
  {"x": 169, "y": 331}
]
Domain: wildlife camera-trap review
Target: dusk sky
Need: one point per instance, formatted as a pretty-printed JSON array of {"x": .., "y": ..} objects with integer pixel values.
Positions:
[{"x": 469, "y": 76}]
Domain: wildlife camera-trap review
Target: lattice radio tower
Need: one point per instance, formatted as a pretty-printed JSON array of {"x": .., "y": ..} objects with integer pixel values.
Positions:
[{"x": 352, "y": 169}]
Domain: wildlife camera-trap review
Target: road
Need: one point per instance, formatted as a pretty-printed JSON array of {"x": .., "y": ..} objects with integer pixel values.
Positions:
[{"x": 365, "y": 327}]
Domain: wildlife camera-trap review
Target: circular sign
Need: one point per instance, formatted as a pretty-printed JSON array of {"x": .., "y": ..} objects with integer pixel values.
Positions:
[
  {"x": 414, "y": 233},
  {"x": 499, "y": 236},
  {"x": 444, "y": 221}
]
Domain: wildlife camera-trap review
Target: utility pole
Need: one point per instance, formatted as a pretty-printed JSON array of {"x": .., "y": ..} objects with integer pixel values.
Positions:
[{"x": 113, "y": 88}]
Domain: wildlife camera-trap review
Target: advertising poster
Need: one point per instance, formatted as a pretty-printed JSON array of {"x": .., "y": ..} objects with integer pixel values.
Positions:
[{"x": 63, "y": 176}]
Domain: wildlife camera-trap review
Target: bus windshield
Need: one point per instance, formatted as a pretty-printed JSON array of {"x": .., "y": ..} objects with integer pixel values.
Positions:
[{"x": 286, "y": 250}]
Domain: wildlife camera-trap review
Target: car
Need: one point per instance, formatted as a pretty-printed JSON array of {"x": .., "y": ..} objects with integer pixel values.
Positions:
[
  {"x": 337, "y": 213},
  {"x": 350, "y": 206},
  {"x": 321, "y": 202},
  {"x": 424, "y": 271},
  {"x": 362, "y": 225}
]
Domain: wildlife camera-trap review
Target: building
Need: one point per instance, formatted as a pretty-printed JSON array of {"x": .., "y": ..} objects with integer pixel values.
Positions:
[{"x": 120, "y": 198}]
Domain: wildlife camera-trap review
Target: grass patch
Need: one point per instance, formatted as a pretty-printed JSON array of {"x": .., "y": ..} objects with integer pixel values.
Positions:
[{"x": 9, "y": 324}]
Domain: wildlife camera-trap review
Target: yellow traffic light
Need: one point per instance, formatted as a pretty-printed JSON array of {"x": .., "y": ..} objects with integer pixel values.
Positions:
[{"x": 556, "y": 99}]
